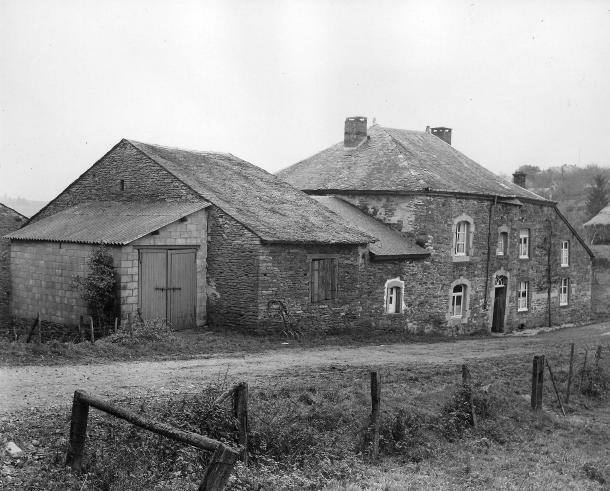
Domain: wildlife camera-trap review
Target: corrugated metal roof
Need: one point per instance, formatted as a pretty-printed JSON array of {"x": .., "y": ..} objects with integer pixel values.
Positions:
[
  {"x": 267, "y": 205},
  {"x": 399, "y": 160},
  {"x": 389, "y": 242},
  {"x": 108, "y": 222}
]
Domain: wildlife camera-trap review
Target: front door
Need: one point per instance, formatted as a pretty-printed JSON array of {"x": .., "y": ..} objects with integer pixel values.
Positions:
[
  {"x": 497, "y": 324},
  {"x": 168, "y": 286}
]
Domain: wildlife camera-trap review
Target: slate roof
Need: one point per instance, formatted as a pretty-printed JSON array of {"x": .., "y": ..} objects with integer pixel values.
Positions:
[
  {"x": 399, "y": 160},
  {"x": 602, "y": 218},
  {"x": 389, "y": 242},
  {"x": 265, "y": 204},
  {"x": 107, "y": 222}
]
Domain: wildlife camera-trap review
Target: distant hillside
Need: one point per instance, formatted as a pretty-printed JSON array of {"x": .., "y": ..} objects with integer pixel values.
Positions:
[
  {"x": 566, "y": 184},
  {"x": 27, "y": 207}
]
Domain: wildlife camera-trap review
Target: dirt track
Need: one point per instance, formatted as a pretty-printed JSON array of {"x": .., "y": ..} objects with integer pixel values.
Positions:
[{"x": 35, "y": 386}]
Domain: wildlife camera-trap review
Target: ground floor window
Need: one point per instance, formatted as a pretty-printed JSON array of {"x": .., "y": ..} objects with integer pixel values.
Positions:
[
  {"x": 564, "y": 291},
  {"x": 323, "y": 279},
  {"x": 394, "y": 290},
  {"x": 457, "y": 300},
  {"x": 522, "y": 297}
]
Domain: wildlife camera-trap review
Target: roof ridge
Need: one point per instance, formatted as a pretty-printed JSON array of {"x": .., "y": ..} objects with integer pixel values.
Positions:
[{"x": 190, "y": 150}]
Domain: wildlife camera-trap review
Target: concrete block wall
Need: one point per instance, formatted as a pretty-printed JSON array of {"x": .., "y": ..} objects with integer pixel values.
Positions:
[{"x": 10, "y": 221}]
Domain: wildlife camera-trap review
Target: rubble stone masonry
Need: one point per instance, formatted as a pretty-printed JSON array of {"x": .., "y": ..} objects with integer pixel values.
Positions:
[{"x": 10, "y": 221}]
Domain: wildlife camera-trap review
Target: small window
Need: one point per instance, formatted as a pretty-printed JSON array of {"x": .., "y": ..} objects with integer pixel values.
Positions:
[
  {"x": 461, "y": 238},
  {"x": 522, "y": 296},
  {"x": 457, "y": 300},
  {"x": 394, "y": 290},
  {"x": 524, "y": 243},
  {"x": 323, "y": 279},
  {"x": 122, "y": 184},
  {"x": 565, "y": 253},
  {"x": 564, "y": 291},
  {"x": 502, "y": 248}
]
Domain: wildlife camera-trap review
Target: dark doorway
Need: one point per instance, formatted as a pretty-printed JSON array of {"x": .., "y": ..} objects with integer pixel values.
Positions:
[{"x": 497, "y": 324}]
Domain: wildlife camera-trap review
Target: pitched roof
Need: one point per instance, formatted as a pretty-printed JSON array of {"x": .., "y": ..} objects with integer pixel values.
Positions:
[
  {"x": 107, "y": 222},
  {"x": 265, "y": 204},
  {"x": 602, "y": 218},
  {"x": 389, "y": 242},
  {"x": 8, "y": 210},
  {"x": 399, "y": 160}
]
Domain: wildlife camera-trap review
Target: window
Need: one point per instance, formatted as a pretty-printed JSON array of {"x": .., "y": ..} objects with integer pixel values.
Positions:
[
  {"x": 394, "y": 296},
  {"x": 564, "y": 291},
  {"x": 522, "y": 298},
  {"x": 565, "y": 253},
  {"x": 502, "y": 248},
  {"x": 524, "y": 243},
  {"x": 461, "y": 237},
  {"x": 323, "y": 279},
  {"x": 457, "y": 300}
]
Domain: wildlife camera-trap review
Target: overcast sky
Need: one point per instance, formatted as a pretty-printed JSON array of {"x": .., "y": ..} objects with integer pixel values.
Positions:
[{"x": 520, "y": 82}]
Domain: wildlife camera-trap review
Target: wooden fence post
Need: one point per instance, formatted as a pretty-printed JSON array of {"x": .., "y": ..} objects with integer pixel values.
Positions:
[
  {"x": 555, "y": 388},
  {"x": 39, "y": 329},
  {"x": 598, "y": 356},
  {"x": 467, "y": 384},
  {"x": 375, "y": 401},
  {"x": 36, "y": 321},
  {"x": 537, "y": 382},
  {"x": 92, "y": 333},
  {"x": 570, "y": 373},
  {"x": 219, "y": 469},
  {"x": 240, "y": 409},
  {"x": 78, "y": 433},
  {"x": 116, "y": 324}
]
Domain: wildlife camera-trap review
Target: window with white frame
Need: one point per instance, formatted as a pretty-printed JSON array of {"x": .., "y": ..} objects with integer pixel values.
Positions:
[
  {"x": 394, "y": 290},
  {"x": 565, "y": 253},
  {"x": 522, "y": 296},
  {"x": 458, "y": 299},
  {"x": 524, "y": 243},
  {"x": 461, "y": 238},
  {"x": 564, "y": 291},
  {"x": 502, "y": 248}
]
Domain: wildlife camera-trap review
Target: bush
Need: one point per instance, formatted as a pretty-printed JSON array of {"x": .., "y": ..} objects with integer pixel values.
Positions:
[{"x": 150, "y": 330}]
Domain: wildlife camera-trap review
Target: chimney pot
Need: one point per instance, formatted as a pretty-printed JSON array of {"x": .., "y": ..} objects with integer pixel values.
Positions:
[
  {"x": 355, "y": 131},
  {"x": 442, "y": 132},
  {"x": 519, "y": 179}
]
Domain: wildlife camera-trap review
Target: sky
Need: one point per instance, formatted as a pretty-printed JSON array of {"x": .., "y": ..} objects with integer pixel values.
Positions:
[{"x": 520, "y": 82}]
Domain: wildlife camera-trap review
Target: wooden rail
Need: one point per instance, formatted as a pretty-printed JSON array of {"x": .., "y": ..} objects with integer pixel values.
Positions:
[{"x": 217, "y": 473}]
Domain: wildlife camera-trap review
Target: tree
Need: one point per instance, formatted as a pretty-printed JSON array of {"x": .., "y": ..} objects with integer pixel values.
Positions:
[
  {"x": 597, "y": 197},
  {"x": 98, "y": 287}
]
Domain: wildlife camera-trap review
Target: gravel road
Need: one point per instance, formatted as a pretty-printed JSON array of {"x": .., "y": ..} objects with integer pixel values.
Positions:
[{"x": 39, "y": 386}]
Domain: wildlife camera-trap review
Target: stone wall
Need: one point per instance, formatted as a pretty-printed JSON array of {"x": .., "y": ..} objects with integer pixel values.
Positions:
[
  {"x": 600, "y": 291},
  {"x": 429, "y": 221},
  {"x": 144, "y": 180},
  {"x": 232, "y": 284},
  {"x": 10, "y": 221}
]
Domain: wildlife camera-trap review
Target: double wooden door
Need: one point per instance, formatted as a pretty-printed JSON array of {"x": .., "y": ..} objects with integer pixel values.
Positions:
[{"x": 168, "y": 286}]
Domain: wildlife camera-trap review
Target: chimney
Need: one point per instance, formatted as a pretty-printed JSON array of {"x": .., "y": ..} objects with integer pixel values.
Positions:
[
  {"x": 519, "y": 179},
  {"x": 355, "y": 131},
  {"x": 442, "y": 132}
]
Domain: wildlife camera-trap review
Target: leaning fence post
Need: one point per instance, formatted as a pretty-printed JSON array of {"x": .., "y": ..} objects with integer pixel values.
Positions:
[
  {"x": 375, "y": 400},
  {"x": 36, "y": 321},
  {"x": 537, "y": 382},
  {"x": 78, "y": 433},
  {"x": 219, "y": 469},
  {"x": 570, "y": 373},
  {"x": 467, "y": 384},
  {"x": 39, "y": 330},
  {"x": 240, "y": 409},
  {"x": 91, "y": 327},
  {"x": 555, "y": 388}
]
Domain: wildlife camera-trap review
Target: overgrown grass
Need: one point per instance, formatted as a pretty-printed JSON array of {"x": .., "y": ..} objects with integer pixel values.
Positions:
[{"x": 311, "y": 431}]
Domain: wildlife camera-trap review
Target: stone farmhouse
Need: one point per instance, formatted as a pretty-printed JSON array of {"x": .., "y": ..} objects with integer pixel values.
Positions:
[
  {"x": 196, "y": 237},
  {"x": 597, "y": 231},
  {"x": 10, "y": 220},
  {"x": 459, "y": 249}
]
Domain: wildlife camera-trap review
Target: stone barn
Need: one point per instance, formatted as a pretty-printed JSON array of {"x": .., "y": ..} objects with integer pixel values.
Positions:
[
  {"x": 196, "y": 237},
  {"x": 10, "y": 220},
  {"x": 458, "y": 248},
  {"x": 597, "y": 231}
]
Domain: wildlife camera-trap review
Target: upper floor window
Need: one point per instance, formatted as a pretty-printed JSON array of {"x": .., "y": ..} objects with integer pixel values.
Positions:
[
  {"x": 463, "y": 230},
  {"x": 394, "y": 296},
  {"x": 524, "y": 243},
  {"x": 323, "y": 285},
  {"x": 522, "y": 296},
  {"x": 565, "y": 253},
  {"x": 502, "y": 248},
  {"x": 458, "y": 299},
  {"x": 564, "y": 291}
]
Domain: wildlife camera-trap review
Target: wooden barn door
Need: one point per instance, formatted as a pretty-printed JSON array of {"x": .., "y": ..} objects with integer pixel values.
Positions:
[{"x": 168, "y": 286}]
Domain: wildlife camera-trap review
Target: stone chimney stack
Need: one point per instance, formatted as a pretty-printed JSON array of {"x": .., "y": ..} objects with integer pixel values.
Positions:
[
  {"x": 442, "y": 132},
  {"x": 355, "y": 131},
  {"x": 519, "y": 179}
]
